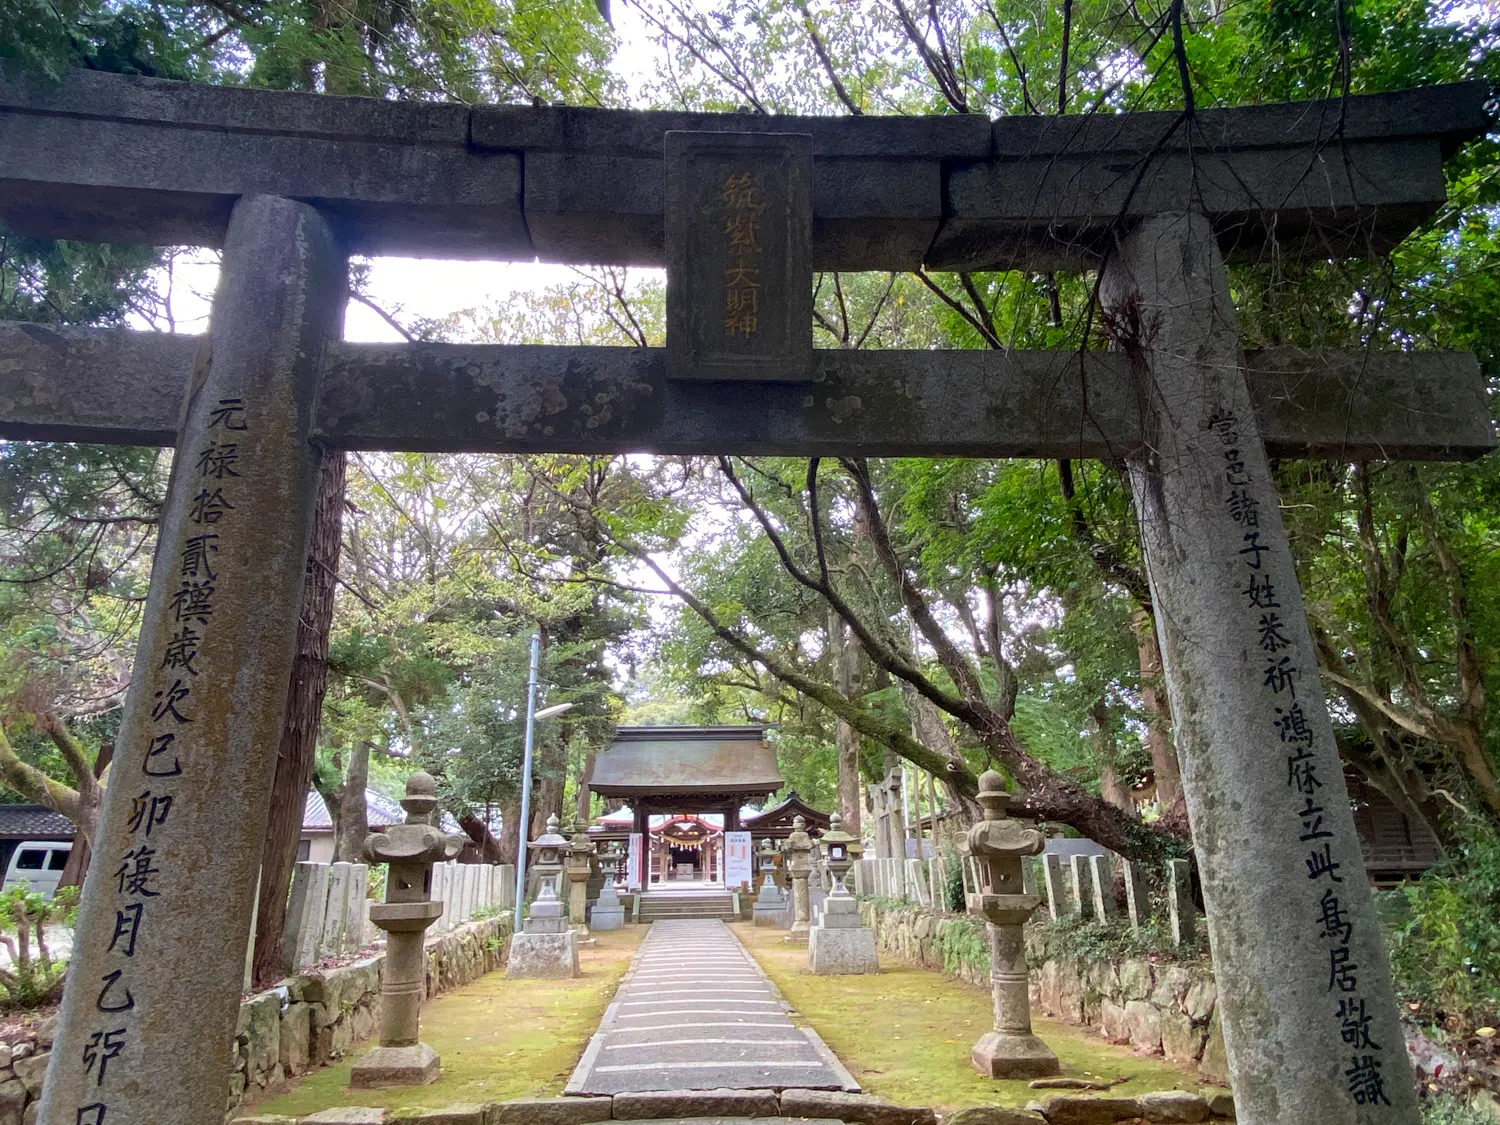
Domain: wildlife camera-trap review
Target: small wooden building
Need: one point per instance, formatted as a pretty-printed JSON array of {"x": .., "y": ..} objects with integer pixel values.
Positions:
[{"x": 686, "y": 787}]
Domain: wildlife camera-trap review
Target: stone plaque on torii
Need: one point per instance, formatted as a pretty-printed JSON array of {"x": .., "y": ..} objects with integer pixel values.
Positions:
[{"x": 289, "y": 184}]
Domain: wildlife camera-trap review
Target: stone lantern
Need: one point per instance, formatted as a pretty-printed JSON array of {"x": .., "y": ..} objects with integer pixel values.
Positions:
[
  {"x": 799, "y": 848},
  {"x": 840, "y": 850},
  {"x": 770, "y": 903},
  {"x": 410, "y": 849},
  {"x": 1000, "y": 845},
  {"x": 840, "y": 942},
  {"x": 547, "y": 852},
  {"x": 609, "y": 912},
  {"x": 577, "y": 856},
  {"x": 773, "y": 862},
  {"x": 546, "y": 946}
]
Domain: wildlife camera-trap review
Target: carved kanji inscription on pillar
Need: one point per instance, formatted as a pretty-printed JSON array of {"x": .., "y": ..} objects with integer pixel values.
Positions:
[{"x": 739, "y": 279}]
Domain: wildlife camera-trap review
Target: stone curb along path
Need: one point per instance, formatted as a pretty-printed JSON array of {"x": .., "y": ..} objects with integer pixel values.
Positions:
[
  {"x": 765, "y": 1107},
  {"x": 695, "y": 1012}
]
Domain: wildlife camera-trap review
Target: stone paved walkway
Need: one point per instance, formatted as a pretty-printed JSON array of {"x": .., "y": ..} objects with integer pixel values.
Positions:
[{"x": 695, "y": 1012}]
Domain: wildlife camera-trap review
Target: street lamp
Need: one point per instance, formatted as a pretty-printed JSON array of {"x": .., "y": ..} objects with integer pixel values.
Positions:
[{"x": 532, "y": 715}]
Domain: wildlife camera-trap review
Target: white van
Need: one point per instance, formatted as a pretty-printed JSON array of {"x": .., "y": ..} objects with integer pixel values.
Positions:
[{"x": 37, "y": 865}]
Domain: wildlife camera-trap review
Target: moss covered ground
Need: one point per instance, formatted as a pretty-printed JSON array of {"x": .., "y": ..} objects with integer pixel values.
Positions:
[
  {"x": 905, "y": 1032},
  {"x": 498, "y": 1038}
]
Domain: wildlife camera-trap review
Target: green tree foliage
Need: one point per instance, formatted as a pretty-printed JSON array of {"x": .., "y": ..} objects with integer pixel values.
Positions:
[{"x": 34, "y": 978}]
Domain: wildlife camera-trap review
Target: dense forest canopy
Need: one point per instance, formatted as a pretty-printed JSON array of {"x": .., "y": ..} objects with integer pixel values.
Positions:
[{"x": 952, "y": 615}]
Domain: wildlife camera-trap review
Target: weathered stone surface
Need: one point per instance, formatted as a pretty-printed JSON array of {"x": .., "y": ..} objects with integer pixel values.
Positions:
[
  {"x": 1172, "y": 983},
  {"x": 260, "y": 1034},
  {"x": 45, "y": 1032},
  {"x": 1135, "y": 980},
  {"x": 1253, "y": 866},
  {"x": 1112, "y": 1022},
  {"x": 116, "y": 385},
  {"x": 13, "y": 1097},
  {"x": 1182, "y": 914},
  {"x": 31, "y": 1071},
  {"x": 1181, "y": 1040},
  {"x": 305, "y": 912},
  {"x": 1070, "y": 1109},
  {"x": 543, "y": 956},
  {"x": 346, "y": 1115},
  {"x": 549, "y": 1111},
  {"x": 280, "y": 296},
  {"x": 1143, "y": 1018},
  {"x": 858, "y": 1109},
  {"x": 1070, "y": 173},
  {"x": 1200, "y": 999},
  {"x": 417, "y": 1065},
  {"x": 452, "y": 177},
  {"x": 143, "y": 160},
  {"x": 992, "y": 1115},
  {"x": 1221, "y": 1104},
  {"x": 841, "y": 951},
  {"x": 1013, "y": 1055},
  {"x": 459, "y": 1114},
  {"x": 265, "y": 1119},
  {"x": 1214, "y": 1063},
  {"x": 295, "y": 1039},
  {"x": 659, "y": 1104},
  {"x": 1172, "y": 1106}
]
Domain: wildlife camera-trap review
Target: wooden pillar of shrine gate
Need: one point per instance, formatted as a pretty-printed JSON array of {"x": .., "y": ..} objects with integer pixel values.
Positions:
[
  {"x": 153, "y": 989},
  {"x": 1305, "y": 997}
]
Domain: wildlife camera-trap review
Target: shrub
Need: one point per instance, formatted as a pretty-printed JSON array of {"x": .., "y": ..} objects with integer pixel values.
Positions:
[
  {"x": 33, "y": 978},
  {"x": 953, "y": 884},
  {"x": 1443, "y": 932},
  {"x": 1451, "y": 1109},
  {"x": 962, "y": 943},
  {"x": 1091, "y": 941}
]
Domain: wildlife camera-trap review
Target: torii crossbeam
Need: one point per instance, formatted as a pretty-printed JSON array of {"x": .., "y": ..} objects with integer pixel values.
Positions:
[{"x": 741, "y": 209}]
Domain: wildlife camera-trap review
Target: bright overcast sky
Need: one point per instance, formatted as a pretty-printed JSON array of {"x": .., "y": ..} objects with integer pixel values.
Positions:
[{"x": 413, "y": 288}]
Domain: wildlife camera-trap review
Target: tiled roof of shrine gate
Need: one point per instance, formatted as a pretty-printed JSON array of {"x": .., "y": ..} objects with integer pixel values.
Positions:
[
  {"x": 682, "y": 761},
  {"x": 130, "y": 159}
]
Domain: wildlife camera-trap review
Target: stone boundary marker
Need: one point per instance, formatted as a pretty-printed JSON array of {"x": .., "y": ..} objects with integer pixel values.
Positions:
[
  {"x": 769, "y": 1107},
  {"x": 328, "y": 912}
]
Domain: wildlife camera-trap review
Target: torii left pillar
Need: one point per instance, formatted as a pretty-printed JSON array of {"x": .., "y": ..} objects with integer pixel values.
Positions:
[{"x": 167, "y": 903}]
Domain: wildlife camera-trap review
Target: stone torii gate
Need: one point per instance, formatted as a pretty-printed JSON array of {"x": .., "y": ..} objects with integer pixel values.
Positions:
[{"x": 741, "y": 209}]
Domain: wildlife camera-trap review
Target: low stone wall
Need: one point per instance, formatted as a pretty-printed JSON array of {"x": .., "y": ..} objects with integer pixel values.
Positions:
[
  {"x": 1158, "y": 1009},
  {"x": 303, "y": 1023}
]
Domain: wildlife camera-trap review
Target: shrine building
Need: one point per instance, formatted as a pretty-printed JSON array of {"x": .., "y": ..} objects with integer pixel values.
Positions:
[{"x": 688, "y": 788}]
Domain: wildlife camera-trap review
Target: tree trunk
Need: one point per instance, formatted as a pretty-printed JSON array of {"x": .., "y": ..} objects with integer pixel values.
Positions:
[
  {"x": 88, "y": 813},
  {"x": 845, "y": 669},
  {"x": 510, "y": 820},
  {"x": 550, "y": 782},
  {"x": 299, "y": 731},
  {"x": 1111, "y": 788},
  {"x": 484, "y": 842},
  {"x": 1158, "y": 726},
  {"x": 581, "y": 799},
  {"x": 354, "y": 823}
]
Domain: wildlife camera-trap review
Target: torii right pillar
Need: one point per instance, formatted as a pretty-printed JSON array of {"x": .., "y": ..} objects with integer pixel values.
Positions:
[{"x": 1309, "y": 1014}]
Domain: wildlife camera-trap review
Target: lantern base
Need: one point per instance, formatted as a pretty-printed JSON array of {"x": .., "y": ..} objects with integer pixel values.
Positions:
[
  {"x": 416, "y": 1065},
  {"x": 1013, "y": 1056}
]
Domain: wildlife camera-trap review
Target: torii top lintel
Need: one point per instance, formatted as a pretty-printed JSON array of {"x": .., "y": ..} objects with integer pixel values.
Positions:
[{"x": 126, "y": 159}]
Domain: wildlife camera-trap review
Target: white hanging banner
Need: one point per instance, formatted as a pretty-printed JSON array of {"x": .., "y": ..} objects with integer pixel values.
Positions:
[
  {"x": 736, "y": 859},
  {"x": 633, "y": 863}
]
